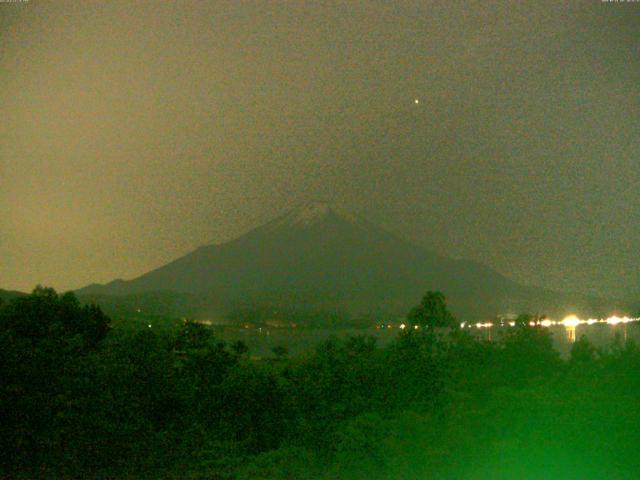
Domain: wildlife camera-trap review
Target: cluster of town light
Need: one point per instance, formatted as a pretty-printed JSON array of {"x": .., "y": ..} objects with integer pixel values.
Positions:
[{"x": 570, "y": 321}]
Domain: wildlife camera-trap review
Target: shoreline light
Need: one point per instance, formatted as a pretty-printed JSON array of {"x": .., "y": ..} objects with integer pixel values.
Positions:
[{"x": 570, "y": 321}]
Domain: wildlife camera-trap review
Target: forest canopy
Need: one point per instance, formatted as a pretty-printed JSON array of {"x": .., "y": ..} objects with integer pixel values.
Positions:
[{"x": 83, "y": 400}]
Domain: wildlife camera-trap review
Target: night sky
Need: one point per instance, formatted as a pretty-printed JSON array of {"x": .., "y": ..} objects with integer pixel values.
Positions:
[{"x": 134, "y": 132}]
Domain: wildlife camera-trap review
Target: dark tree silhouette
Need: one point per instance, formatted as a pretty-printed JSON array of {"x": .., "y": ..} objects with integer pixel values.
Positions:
[
  {"x": 432, "y": 312},
  {"x": 280, "y": 351},
  {"x": 239, "y": 347},
  {"x": 44, "y": 340}
]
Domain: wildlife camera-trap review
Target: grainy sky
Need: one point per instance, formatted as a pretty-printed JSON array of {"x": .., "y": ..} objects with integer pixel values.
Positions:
[{"x": 133, "y": 132}]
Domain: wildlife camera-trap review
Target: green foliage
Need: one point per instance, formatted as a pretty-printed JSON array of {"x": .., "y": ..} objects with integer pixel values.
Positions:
[
  {"x": 239, "y": 347},
  {"x": 523, "y": 319},
  {"x": 583, "y": 353},
  {"x": 280, "y": 351},
  {"x": 46, "y": 317},
  {"x": 252, "y": 407},
  {"x": 360, "y": 448},
  {"x": 45, "y": 340},
  {"x": 81, "y": 401},
  {"x": 527, "y": 354},
  {"x": 292, "y": 463}
]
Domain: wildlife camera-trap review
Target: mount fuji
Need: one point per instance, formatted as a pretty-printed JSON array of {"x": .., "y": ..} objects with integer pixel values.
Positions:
[{"x": 318, "y": 258}]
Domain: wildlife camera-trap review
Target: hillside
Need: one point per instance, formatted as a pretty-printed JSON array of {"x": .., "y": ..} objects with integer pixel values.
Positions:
[
  {"x": 317, "y": 258},
  {"x": 6, "y": 295}
]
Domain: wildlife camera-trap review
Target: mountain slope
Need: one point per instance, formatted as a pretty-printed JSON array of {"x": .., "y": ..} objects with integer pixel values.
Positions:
[
  {"x": 7, "y": 295},
  {"x": 320, "y": 258}
]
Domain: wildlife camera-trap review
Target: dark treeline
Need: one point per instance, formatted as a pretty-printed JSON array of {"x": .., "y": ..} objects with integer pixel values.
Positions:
[{"x": 81, "y": 400}]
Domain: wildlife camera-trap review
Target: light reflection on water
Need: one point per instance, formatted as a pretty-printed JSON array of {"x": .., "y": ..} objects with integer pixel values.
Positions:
[{"x": 600, "y": 333}]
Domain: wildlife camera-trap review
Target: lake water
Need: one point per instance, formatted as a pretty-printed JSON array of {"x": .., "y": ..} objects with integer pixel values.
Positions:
[{"x": 298, "y": 340}]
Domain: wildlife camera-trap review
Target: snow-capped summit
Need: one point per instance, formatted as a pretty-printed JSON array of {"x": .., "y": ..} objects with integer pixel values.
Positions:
[{"x": 309, "y": 214}]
